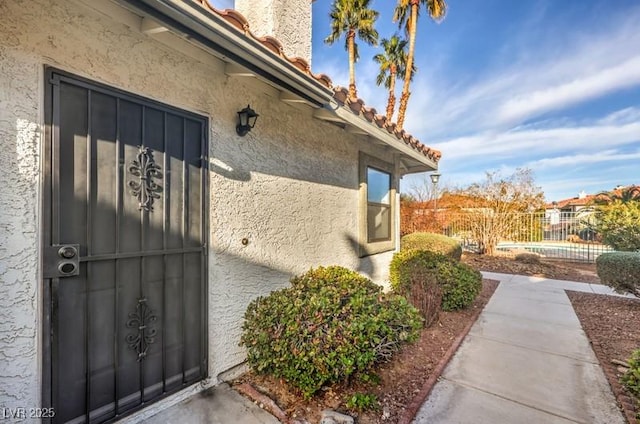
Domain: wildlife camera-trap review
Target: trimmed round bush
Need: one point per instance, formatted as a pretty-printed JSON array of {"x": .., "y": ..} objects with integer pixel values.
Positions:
[
  {"x": 329, "y": 325},
  {"x": 460, "y": 283},
  {"x": 620, "y": 270},
  {"x": 432, "y": 242},
  {"x": 419, "y": 284}
]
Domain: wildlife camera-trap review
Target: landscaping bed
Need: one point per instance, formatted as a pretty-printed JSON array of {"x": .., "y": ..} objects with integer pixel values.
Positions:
[
  {"x": 398, "y": 382},
  {"x": 554, "y": 269},
  {"x": 611, "y": 324}
]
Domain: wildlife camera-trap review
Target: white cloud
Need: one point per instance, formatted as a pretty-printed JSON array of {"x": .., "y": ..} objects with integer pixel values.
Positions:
[
  {"x": 624, "y": 116},
  {"x": 568, "y": 93},
  {"x": 525, "y": 143},
  {"x": 582, "y": 159},
  {"x": 521, "y": 106},
  {"x": 546, "y": 78}
]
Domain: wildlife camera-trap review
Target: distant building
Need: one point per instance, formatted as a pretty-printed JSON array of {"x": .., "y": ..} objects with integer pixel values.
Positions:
[
  {"x": 573, "y": 204},
  {"x": 583, "y": 200}
]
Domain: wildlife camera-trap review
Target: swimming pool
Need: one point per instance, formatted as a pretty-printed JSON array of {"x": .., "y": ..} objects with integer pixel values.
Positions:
[{"x": 582, "y": 252}]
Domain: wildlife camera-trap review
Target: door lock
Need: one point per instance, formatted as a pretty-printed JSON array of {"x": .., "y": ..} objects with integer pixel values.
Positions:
[
  {"x": 68, "y": 252},
  {"x": 61, "y": 261}
]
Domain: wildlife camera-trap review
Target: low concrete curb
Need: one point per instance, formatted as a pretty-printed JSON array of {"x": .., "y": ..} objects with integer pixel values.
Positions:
[
  {"x": 414, "y": 406},
  {"x": 264, "y": 401}
]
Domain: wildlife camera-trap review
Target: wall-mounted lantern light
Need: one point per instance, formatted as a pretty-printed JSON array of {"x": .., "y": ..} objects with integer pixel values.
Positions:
[{"x": 247, "y": 118}]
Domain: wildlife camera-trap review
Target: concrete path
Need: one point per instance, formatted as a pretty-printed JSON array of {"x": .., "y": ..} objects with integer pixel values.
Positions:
[
  {"x": 219, "y": 405},
  {"x": 526, "y": 360}
]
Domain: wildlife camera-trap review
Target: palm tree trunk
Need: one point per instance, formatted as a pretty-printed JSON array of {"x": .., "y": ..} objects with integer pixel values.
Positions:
[
  {"x": 404, "y": 99},
  {"x": 351, "y": 39},
  {"x": 391, "y": 103}
]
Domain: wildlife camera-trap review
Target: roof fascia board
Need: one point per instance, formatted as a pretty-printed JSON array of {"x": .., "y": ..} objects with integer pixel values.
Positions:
[
  {"x": 194, "y": 22},
  {"x": 366, "y": 127}
]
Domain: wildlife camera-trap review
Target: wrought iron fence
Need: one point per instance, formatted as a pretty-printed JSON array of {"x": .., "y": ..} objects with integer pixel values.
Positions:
[{"x": 553, "y": 234}]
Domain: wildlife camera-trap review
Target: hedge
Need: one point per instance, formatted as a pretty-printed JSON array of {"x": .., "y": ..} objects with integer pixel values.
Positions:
[
  {"x": 460, "y": 283},
  {"x": 620, "y": 270},
  {"x": 432, "y": 242}
]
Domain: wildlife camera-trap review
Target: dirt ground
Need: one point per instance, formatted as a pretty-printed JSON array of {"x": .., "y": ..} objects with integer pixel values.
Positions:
[
  {"x": 611, "y": 324},
  {"x": 554, "y": 269}
]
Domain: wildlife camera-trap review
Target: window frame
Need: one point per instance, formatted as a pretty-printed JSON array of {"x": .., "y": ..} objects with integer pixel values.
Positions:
[{"x": 376, "y": 246}]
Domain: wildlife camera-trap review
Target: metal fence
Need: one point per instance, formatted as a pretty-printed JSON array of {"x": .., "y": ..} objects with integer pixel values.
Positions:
[{"x": 553, "y": 234}]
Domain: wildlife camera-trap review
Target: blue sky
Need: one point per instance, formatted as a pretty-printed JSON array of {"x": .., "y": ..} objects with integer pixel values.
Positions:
[{"x": 545, "y": 84}]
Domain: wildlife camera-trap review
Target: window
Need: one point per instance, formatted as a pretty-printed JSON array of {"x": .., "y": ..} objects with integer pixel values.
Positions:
[{"x": 377, "y": 205}]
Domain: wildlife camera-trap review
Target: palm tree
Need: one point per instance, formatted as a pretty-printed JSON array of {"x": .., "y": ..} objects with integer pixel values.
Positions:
[
  {"x": 407, "y": 12},
  {"x": 353, "y": 18},
  {"x": 392, "y": 64}
]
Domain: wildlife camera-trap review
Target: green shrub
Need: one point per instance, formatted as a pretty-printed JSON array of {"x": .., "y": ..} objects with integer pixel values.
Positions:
[
  {"x": 432, "y": 242},
  {"x": 331, "y": 324},
  {"x": 620, "y": 270},
  {"x": 460, "y": 283},
  {"x": 631, "y": 379},
  {"x": 419, "y": 284},
  {"x": 362, "y": 401},
  {"x": 619, "y": 225}
]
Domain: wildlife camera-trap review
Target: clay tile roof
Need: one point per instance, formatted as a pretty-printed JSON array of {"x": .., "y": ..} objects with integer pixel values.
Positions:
[
  {"x": 340, "y": 94},
  {"x": 369, "y": 113},
  {"x": 301, "y": 64},
  {"x": 390, "y": 127},
  {"x": 273, "y": 44},
  {"x": 380, "y": 120},
  {"x": 355, "y": 105}
]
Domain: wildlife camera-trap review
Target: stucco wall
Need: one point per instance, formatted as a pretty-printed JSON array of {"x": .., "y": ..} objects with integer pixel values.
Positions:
[
  {"x": 287, "y": 20},
  {"x": 290, "y": 187},
  {"x": 19, "y": 179}
]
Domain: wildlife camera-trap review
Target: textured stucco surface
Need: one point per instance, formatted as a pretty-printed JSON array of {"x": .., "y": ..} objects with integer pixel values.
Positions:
[
  {"x": 287, "y": 20},
  {"x": 19, "y": 179},
  {"x": 290, "y": 187}
]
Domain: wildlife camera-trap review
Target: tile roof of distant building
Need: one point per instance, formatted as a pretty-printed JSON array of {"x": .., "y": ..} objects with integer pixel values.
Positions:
[{"x": 587, "y": 199}]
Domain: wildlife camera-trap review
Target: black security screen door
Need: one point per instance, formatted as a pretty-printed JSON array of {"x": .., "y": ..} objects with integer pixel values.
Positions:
[{"x": 124, "y": 250}]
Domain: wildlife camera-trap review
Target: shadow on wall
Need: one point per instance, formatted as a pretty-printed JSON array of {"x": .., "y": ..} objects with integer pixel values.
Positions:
[
  {"x": 365, "y": 264},
  {"x": 221, "y": 168}
]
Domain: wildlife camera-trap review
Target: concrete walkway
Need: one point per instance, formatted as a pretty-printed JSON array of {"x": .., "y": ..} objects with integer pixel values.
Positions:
[
  {"x": 218, "y": 405},
  {"x": 526, "y": 360}
]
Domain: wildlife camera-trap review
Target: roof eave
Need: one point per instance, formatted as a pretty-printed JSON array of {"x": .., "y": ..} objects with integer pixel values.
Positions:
[
  {"x": 412, "y": 161},
  {"x": 191, "y": 21}
]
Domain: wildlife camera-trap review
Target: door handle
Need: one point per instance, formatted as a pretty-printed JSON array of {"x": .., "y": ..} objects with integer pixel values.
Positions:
[{"x": 61, "y": 260}]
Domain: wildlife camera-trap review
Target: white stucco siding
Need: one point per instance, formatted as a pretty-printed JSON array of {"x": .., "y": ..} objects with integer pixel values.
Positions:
[
  {"x": 290, "y": 187},
  {"x": 19, "y": 182},
  {"x": 287, "y": 20}
]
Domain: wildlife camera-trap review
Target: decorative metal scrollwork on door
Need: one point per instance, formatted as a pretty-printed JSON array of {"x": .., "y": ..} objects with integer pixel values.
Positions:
[
  {"x": 147, "y": 170},
  {"x": 141, "y": 319}
]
